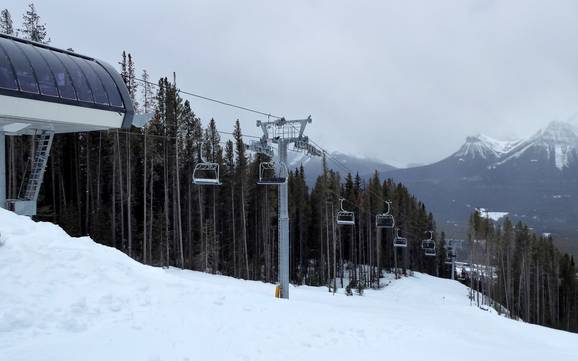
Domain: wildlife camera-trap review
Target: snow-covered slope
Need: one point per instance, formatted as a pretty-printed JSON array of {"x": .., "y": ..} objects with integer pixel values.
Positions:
[{"x": 64, "y": 298}]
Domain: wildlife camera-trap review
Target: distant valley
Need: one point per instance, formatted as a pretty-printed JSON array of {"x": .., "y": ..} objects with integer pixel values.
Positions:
[{"x": 534, "y": 180}]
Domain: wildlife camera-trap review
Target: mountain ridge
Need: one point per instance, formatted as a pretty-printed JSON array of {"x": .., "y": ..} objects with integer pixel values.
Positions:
[{"x": 533, "y": 179}]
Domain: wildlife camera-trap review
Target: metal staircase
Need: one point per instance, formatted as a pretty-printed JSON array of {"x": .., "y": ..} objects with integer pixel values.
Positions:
[
  {"x": 43, "y": 143},
  {"x": 26, "y": 203}
]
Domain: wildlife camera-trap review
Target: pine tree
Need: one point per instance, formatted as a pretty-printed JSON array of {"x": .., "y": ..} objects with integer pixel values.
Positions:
[
  {"x": 6, "y": 24},
  {"x": 32, "y": 28},
  {"x": 131, "y": 82},
  {"x": 148, "y": 101}
]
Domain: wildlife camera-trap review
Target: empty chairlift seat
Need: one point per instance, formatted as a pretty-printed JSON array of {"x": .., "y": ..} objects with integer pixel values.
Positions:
[
  {"x": 450, "y": 255},
  {"x": 206, "y": 173},
  {"x": 272, "y": 173},
  {"x": 344, "y": 217},
  {"x": 429, "y": 245},
  {"x": 430, "y": 252},
  {"x": 399, "y": 241},
  {"x": 385, "y": 220}
]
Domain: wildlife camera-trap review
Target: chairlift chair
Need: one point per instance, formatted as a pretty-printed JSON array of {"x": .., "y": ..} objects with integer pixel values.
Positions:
[
  {"x": 399, "y": 241},
  {"x": 430, "y": 252},
  {"x": 345, "y": 217},
  {"x": 271, "y": 174},
  {"x": 428, "y": 244},
  {"x": 385, "y": 220},
  {"x": 450, "y": 255},
  {"x": 206, "y": 173}
]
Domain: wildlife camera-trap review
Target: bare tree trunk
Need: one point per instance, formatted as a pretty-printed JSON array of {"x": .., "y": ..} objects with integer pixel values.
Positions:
[
  {"x": 98, "y": 174},
  {"x": 234, "y": 231},
  {"x": 328, "y": 258},
  {"x": 334, "y": 250},
  {"x": 244, "y": 230},
  {"x": 113, "y": 221},
  {"x": 178, "y": 181},
  {"x": 215, "y": 244},
  {"x": 151, "y": 184},
  {"x": 144, "y": 189},
  {"x": 201, "y": 217},
  {"x": 129, "y": 192},
  {"x": 166, "y": 191},
  {"x": 121, "y": 191},
  {"x": 87, "y": 194}
]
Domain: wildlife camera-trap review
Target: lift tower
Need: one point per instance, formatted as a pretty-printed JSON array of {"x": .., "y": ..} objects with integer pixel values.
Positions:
[{"x": 284, "y": 132}]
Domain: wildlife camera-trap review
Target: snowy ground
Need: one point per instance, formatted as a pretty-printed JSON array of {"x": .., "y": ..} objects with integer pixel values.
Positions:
[{"x": 65, "y": 298}]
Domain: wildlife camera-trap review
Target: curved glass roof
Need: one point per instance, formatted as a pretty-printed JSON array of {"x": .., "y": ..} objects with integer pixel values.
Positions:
[{"x": 40, "y": 72}]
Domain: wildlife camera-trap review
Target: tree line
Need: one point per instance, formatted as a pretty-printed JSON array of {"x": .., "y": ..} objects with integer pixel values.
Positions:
[{"x": 521, "y": 273}]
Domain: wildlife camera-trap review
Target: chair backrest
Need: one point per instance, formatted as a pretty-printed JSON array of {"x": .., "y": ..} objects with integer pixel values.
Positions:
[
  {"x": 400, "y": 242},
  {"x": 345, "y": 218},
  {"x": 384, "y": 221},
  {"x": 272, "y": 173},
  {"x": 428, "y": 244},
  {"x": 206, "y": 173}
]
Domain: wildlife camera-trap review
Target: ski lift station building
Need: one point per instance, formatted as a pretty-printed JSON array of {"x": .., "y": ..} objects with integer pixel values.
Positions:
[{"x": 45, "y": 91}]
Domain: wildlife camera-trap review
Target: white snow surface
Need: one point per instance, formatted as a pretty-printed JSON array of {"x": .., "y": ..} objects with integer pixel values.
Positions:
[
  {"x": 64, "y": 298},
  {"x": 494, "y": 215}
]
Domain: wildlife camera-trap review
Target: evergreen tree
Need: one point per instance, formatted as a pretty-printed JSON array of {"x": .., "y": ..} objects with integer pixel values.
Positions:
[
  {"x": 32, "y": 28},
  {"x": 148, "y": 101},
  {"x": 6, "y": 24},
  {"x": 132, "y": 85}
]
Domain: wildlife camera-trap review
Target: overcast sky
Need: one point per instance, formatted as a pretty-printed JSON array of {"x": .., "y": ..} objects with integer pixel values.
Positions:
[{"x": 401, "y": 81}]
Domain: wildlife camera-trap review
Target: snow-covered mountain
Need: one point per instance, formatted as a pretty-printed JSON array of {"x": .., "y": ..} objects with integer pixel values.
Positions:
[
  {"x": 65, "y": 299},
  {"x": 483, "y": 147},
  {"x": 533, "y": 179},
  {"x": 555, "y": 145}
]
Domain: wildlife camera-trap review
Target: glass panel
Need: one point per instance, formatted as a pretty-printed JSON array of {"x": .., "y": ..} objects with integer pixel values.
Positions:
[
  {"x": 83, "y": 91},
  {"x": 109, "y": 84},
  {"x": 63, "y": 81},
  {"x": 41, "y": 69},
  {"x": 24, "y": 72},
  {"x": 98, "y": 91},
  {"x": 7, "y": 78}
]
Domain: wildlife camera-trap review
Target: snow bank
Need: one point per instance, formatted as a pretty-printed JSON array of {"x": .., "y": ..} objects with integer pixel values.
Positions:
[{"x": 64, "y": 298}]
